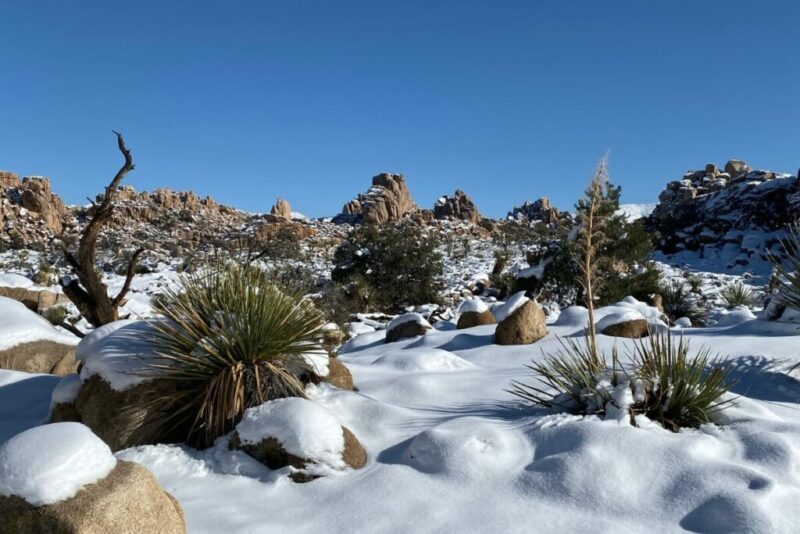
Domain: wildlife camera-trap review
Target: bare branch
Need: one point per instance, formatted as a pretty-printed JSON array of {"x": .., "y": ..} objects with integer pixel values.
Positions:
[{"x": 128, "y": 278}]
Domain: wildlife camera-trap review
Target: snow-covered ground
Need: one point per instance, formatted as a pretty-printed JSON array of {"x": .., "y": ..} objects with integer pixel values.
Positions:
[{"x": 450, "y": 450}]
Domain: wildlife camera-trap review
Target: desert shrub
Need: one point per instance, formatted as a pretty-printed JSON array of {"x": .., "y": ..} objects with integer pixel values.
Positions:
[
  {"x": 786, "y": 265},
  {"x": 695, "y": 284},
  {"x": 399, "y": 264},
  {"x": 55, "y": 314},
  {"x": 641, "y": 285},
  {"x": 679, "y": 303},
  {"x": 676, "y": 389},
  {"x": 231, "y": 340},
  {"x": 737, "y": 294}
]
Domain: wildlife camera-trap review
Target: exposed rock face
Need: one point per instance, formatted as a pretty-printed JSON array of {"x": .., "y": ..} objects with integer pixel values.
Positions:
[
  {"x": 540, "y": 210},
  {"x": 474, "y": 318},
  {"x": 40, "y": 357},
  {"x": 271, "y": 453},
  {"x": 458, "y": 206},
  {"x": 634, "y": 329},
  {"x": 37, "y": 300},
  {"x": 526, "y": 325},
  {"x": 339, "y": 375},
  {"x": 129, "y": 499},
  {"x": 29, "y": 211},
  {"x": 736, "y": 216},
  {"x": 387, "y": 200},
  {"x": 282, "y": 209}
]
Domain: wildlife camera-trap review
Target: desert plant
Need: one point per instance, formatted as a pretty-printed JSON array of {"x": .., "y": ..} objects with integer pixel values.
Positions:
[
  {"x": 677, "y": 303},
  {"x": 737, "y": 294},
  {"x": 695, "y": 284},
  {"x": 786, "y": 266},
  {"x": 674, "y": 388},
  {"x": 230, "y": 340}
]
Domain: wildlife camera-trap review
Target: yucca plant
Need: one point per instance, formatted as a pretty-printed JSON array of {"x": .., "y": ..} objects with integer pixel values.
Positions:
[
  {"x": 787, "y": 267},
  {"x": 737, "y": 294},
  {"x": 677, "y": 303},
  {"x": 674, "y": 388},
  {"x": 230, "y": 340},
  {"x": 573, "y": 379}
]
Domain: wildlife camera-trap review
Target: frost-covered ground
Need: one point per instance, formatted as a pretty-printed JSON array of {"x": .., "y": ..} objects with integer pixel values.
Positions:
[{"x": 451, "y": 451}]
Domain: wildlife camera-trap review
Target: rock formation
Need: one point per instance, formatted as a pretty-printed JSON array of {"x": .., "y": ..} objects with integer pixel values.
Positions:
[
  {"x": 458, "y": 206},
  {"x": 541, "y": 210},
  {"x": 387, "y": 200},
  {"x": 282, "y": 209},
  {"x": 29, "y": 211}
]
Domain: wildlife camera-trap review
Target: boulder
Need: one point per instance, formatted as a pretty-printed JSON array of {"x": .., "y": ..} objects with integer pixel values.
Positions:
[
  {"x": 127, "y": 500},
  {"x": 46, "y": 357},
  {"x": 523, "y": 326},
  {"x": 459, "y": 206},
  {"x": 473, "y": 318},
  {"x": 282, "y": 209},
  {"x": 406, "y": 326},
  {"x": 38, "y": 198},
  {"x": 539, "y": 210},
  {"x": 634, "y": 329},
  {"x": 37, "y": 300},
  {"x": 124, "y": 418},
  {"x": 338, "y": 374},
  {"x": 736, "y": 168}
]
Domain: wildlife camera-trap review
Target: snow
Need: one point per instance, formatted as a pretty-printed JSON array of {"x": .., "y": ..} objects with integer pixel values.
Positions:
[
  {"x": 117, "y": 353},
  {"x": 634, "y": 212},
  {"x": 410, "y": 317},
  {"x": 535, "y": 271},
  {"x": 628, "y": 309},
  {"x": 474, "y": 305},
  {"x": 20, "y": 325},
  {"x": 304, "y": 429},
  {"x": 50, "y": 463},
  {"x": 15, "y": 280},
  {"x": 516, "y": 301},
  {"x": 67, "y": 389}
]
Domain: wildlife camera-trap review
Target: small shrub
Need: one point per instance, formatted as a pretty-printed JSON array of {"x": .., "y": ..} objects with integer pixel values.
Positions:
[
  {"x": 695, "y": 284},
  {"x": 787, "y": 268},
  {"x": 676, "y": 389},
  {"x": 737, "y": 294},
  {"x": 678, "y": 303},
  {"x": 231, "y": 340},
  {"x": 55, "y": 314}
]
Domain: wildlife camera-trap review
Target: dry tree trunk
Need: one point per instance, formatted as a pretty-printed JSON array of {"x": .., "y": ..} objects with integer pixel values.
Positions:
[{"x": 88, "y": 292}]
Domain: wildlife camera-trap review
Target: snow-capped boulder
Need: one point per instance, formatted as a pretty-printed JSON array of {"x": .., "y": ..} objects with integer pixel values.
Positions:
[
  {"x": 62, "y": 478},
  {"x": 474, "y": 312},
  {"x": 458, "y": 206},
  {"x": 520, "y": 321},
  {"x": 406, "y": 326},
  {"x": 300, "y": 434},
  {"x": 62, "y": 401},
  {"x": 628, "y": 318},
  {"x": 29, "y": 343},
  {"x": 630, "y": 328}
]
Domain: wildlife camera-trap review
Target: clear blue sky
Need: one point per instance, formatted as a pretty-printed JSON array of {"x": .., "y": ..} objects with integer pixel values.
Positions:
[{"x": 247, "y": 101}]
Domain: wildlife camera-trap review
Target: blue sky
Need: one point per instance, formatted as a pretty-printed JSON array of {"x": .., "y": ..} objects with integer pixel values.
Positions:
[{"x": 247, "y": 101}]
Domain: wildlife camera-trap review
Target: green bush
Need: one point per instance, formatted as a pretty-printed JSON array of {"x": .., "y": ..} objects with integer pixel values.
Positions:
[
  {"x": 786, "y": 266},
  {"x": 677, "y": 303},
  {"x": 231, "y": 340},
  {"x": 398, "y": 265},
  {"x": 737, "y": 294}
]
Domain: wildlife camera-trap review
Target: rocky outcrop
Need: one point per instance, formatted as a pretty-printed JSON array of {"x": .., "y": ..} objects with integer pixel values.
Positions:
[
  {"x": 633, "y": 329},
  {"x": 474, "y": 318},
  {"x": 29, "y": 211},
  {"x": 36, "y": 300},
  {"x": 129, "y": 499},
  {"x": 387, "y": 200},
  {"x": 459, "y": 206},
  {"x": 736, "y": 216},
  {"x": 282, "y": 209},
  {"x": 45, "y": 357},
  {"x": 339, "y": 375},
  {"x": 538, "y": 211},
  {"x": 525, "y": 325}
]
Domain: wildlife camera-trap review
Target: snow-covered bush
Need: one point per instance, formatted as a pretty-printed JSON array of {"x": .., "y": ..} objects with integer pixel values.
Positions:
[
  {"x": 737, "y": 294},
  {"x": 399, "y": 263},
  {"x": 679, "y": 303},
  {"x": 232, "y": 340}
]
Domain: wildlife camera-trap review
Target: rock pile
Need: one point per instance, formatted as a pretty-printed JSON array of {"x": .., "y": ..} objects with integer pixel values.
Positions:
[
  {"x": 736, "y": 214},
  {"x": 29, "y": 211},
  {"x": 387, "y": 200},
  {"x": 458, "y": 206},
  {"x": 538, "y": 211}
]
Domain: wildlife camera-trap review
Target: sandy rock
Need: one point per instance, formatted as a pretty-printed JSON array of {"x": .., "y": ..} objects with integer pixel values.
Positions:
[
  {"x": 36, "y": 300},
  {"x": 458, "y": 206},
  {"x": 45, "y": 357},
  {"x": 539, "y": 210},
  {"x": 128, "y": 501},
  {"x": 282, "y": 209},
  {"x": 473, "y": 318},
  {"x": 634, "y": 329},
  {"x": 339, "y": 375},
  {"x": 736, "y": 168},
  {"x": 387, "y": 200},
  {"x": 271, "y": 453},
  {"x": 524, "y": 326}
]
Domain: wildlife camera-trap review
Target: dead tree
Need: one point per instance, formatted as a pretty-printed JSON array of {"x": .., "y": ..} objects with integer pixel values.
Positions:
[{"x": 87, "y": 291}]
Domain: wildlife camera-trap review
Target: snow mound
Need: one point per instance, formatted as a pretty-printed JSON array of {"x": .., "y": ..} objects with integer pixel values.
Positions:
[
  {"x": 50, "y": 463},
  {"x": 516, "y": 301},
  {"x": 411, "y": 317},
  {"x": 15, "y": 281},
  {"x": 303, "y": 427},
  {"x": 629, "y": 309},
  {"x": 473, "y": 304},
  {"x": 577, "y": 316},
  {"x": 20, "y": 325},
  {"x": 117, "y": 353},
  {"x": 736, "y": 316},
  {"x": 468, "y": 447},
  {"x": 422, "y": 359}
]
